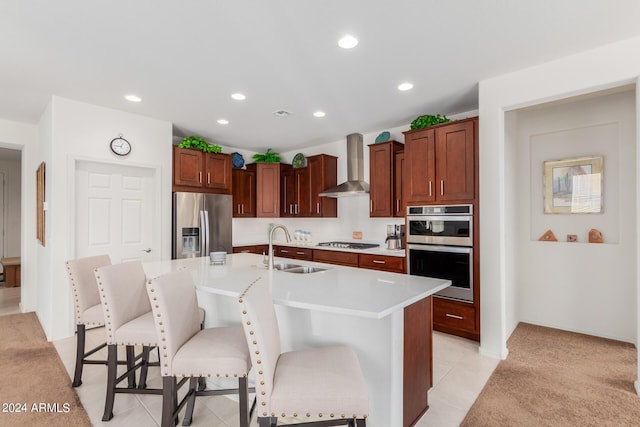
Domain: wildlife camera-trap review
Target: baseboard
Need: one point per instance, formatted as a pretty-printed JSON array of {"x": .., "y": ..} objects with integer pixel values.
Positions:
[{"x": 495, "y": 355}]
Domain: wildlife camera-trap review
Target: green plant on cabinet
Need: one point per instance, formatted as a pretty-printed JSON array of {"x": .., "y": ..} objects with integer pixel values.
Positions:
[{"x": 199, "y": 144}]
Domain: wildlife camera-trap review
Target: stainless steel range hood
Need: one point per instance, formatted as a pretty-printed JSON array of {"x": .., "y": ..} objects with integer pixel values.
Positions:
[{"x": 355, "y": 184}]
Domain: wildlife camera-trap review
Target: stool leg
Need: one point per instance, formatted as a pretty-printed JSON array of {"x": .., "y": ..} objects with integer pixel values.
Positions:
[
  {"x": 80, "y": 343},
  {"x": 243, "y": 394},
  {"x": 267, "y": 421},
  {"x": 131, "y": 361},
  {"x": 145, "y": 367},
  {"x": 191, "y": 403},
  {"x": 168, "y": 401},
  {"x": 112, "y": 372}
]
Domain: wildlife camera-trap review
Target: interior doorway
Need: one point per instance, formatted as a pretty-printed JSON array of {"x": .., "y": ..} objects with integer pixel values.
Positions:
[{"x": 10, "y": 229}]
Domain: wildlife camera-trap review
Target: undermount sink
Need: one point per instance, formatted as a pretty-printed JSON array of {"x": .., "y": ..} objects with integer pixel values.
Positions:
[
  {"x": 285, "y": 266},
  {"x": 296, "y": 268}
]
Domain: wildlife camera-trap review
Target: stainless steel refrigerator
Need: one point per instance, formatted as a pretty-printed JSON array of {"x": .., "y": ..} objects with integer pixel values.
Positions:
[{"x": 201, "y": 224}]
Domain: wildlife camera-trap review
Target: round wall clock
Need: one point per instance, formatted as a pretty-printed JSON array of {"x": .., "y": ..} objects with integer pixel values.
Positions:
[{"x": 120, "y": 146}]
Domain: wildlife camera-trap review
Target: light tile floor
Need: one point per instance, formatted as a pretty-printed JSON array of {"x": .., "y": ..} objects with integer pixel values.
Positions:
[
  {"x": 9, "y": 300},
  {"x": 459, "y": 373}
]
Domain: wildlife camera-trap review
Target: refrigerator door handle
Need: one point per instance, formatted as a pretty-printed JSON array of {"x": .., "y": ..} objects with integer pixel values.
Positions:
[
  {"x": 203, "y": 234},
  {"x": 206, "y": 233}
]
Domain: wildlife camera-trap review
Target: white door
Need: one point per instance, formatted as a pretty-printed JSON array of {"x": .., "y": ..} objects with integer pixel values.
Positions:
[{"x": 115, "y": 212}]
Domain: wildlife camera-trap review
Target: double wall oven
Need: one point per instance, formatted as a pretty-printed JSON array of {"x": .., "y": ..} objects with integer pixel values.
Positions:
[{"x": 440, "y": 244}]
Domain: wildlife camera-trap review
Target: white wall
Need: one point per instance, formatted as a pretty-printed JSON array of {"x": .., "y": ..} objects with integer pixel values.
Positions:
[
  {"x": 22, "y": 136},
  {"x": 606, "y": 67},
  {"x": 72, "y": 131},
  {"x": 580, "y": 287}
]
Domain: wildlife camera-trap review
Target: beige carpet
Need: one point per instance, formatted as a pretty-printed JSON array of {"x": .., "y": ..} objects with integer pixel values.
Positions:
[
  {"x": 558, "y": 378},
  {"x": 35, "y": 389}
]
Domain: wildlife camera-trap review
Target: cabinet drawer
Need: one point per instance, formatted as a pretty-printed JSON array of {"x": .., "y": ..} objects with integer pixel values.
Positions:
[
  {"x": 244, "y": 249},
  {"x": 251, "y": 249},
  {"x": 349, "y": 259},
  {"x": 292, "y": 252},
  {"x": 453, "y": 314},
  {"x": 394, "y": 264}
]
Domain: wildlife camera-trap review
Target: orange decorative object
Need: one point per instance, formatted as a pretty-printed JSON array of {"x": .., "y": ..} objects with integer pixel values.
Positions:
[
  {"x": 548, "y": 236},
  {"x": 595, "y": 236}
]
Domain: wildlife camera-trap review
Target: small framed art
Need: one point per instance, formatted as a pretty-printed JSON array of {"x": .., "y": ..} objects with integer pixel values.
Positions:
[{"x": 573, "y": 186}]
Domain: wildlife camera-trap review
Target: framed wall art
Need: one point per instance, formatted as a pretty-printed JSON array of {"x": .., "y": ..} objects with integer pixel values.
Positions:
[
  {"x": 40, "y": 176},
  {"x": 573, "y": 186}
]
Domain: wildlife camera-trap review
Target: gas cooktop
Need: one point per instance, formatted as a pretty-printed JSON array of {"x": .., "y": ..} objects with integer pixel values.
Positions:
[{"x": 349, "y": 245}]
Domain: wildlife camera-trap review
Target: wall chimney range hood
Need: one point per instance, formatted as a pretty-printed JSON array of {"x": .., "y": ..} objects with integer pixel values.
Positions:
[{"x": 355, "y": 184}]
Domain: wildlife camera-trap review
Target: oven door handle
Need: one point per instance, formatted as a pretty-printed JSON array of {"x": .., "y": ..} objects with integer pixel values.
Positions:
[{"x": 436, "y": 248}]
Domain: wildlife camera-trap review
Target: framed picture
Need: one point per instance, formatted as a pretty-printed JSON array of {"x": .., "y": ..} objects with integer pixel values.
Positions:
[
  {"x": 573, "y": 185},
  {"x": 40, "y": 203}
]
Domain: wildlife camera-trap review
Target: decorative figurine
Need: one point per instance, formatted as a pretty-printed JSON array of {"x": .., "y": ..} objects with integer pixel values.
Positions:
[
  {"x": 548, "y": 236},
  {"x": 595, "y": 236}
]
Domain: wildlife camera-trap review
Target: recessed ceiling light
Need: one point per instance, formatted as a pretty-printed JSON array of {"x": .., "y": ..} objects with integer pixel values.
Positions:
[
  {"x": 348, "y": 42},
  {"x": 319, "y": 114},
  {"x": 132, "y": 98},
  {"x": 405, "y": 86},
  {"x": 238, "y": 96},
  {"x": 223, "y": 121}
]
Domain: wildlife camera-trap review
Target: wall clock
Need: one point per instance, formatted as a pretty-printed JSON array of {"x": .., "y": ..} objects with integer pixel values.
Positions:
[{"x": 120, "y": 146}]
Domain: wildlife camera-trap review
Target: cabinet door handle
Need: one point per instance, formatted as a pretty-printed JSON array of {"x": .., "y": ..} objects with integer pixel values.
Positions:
[
  {"x": 208, "y": 177},
  {"x": 238, "y": 210},
  {"x": 300, "y": 253},
  {"x": 318, "y": 207},
  {"x": 454, "y": 316},
  {"x": 284, "y": 251},
  {"x": 245, "y": 251},
  {"x": 397, "y": 205},
  {"x": 297, "y": 208},
  {"x": 243, "y": 208},
  {"x": 200, "y": 177},
  {"x": 370, "y": 205},
  {"x": 377, "y": 261},
  {"x": 430, "y": 192},
  {"x": 442, "y": 187}
]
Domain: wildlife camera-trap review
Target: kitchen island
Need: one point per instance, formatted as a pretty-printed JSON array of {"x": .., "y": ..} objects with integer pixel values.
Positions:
[{"x": 385, "y": 317}]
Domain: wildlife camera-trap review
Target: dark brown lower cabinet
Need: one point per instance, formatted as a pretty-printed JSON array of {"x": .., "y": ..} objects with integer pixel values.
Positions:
[
  {"x": 455, "y": 317},
  {"x": 418, "y": 360}
]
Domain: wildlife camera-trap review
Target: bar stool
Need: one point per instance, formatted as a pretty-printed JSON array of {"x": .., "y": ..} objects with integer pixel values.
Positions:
[
  {"x": 191, "y": 353},
  {"x": 88, "y": 309},
  {"x": 322, "y": 386},
  {"x": 129, "y": 322}
]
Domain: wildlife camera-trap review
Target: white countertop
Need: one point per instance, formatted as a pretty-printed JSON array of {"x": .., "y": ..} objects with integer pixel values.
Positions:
[
  {"x": 346, "y": 290},
  {"x": 381, "y": 250}
]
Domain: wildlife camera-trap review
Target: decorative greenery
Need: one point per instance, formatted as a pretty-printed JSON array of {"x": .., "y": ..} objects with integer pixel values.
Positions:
[
  {"x": 199, "y": 144},
  {"x": 427, "y": 120},
  {"x": 268, "y": 157}
]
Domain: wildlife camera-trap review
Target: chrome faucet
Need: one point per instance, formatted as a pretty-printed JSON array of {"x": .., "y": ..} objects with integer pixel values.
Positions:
[{"x": 286, "y": 233}]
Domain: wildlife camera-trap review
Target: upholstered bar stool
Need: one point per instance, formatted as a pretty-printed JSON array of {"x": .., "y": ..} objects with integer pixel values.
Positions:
[
  {"x": 188, "y": 352},
  {"x": 323, "y": 386},
  {"x": 88, "y": 309},
  {"x": 129, "y": 321}
]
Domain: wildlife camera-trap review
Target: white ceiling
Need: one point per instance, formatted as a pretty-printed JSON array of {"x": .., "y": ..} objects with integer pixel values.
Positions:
[{"x": 185, "y": 58}]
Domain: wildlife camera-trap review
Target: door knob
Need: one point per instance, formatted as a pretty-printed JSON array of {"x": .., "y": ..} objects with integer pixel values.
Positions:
[{"x": 147, "y": 250}]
